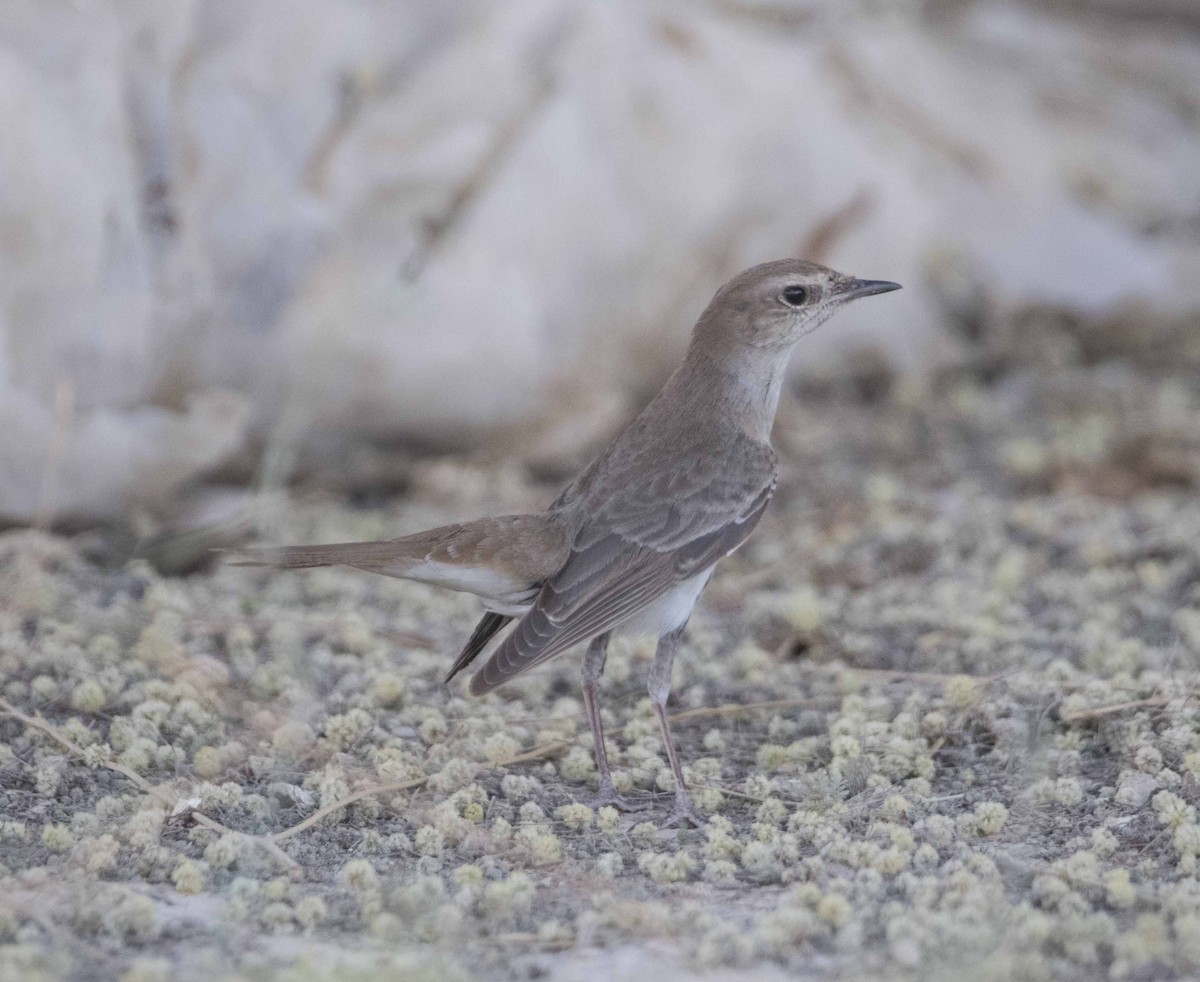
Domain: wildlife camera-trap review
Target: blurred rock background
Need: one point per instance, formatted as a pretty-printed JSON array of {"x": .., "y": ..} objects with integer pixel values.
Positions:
[{"x": 246, "y": 239}]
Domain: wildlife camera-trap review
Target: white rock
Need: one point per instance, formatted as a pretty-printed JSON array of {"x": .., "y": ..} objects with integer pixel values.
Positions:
[{"x": 434, "y": 220}]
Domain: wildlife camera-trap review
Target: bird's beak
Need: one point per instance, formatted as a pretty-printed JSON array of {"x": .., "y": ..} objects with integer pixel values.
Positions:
[{"x": 866, "y": 288}]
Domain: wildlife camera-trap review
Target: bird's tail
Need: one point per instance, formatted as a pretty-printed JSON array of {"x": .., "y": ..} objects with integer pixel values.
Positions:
[
  {"x": 499, "y": 558},
  {"x": 363, "y": 555}
]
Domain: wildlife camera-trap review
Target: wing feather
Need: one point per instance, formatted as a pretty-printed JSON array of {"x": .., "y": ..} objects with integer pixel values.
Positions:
[
  {"x": 642, "y": 542},
  {"x": 485, "y": 630}
]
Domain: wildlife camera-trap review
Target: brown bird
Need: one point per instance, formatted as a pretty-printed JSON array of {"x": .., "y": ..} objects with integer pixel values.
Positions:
[{"x": 631, "y": 542}]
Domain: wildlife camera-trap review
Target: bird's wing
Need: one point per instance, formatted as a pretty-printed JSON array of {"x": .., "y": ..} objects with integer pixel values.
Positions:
[
  {"x": 642, "y": 541},
  {"x": 485, "y": 630}
]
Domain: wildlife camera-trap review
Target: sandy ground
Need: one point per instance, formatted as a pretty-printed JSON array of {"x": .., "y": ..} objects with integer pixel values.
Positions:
[{"x": 940, "y": 712}]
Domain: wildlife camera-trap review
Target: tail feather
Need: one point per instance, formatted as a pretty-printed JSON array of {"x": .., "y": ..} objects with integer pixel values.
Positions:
[
  {"x": 363, "y": 555},
  {"x": 484, "y": 631},
  {"x": 500, "y": 559}
]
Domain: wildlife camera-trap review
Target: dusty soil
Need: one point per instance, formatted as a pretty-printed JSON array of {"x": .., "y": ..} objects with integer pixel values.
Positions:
[{"x": 941, "y": 712}]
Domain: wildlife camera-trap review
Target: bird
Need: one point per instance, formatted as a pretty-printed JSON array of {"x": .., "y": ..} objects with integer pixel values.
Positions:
[{"x": 630, "y": 543}]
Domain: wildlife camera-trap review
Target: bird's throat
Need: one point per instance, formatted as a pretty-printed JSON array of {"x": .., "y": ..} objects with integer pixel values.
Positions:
[{"x": 742, "y": 387}]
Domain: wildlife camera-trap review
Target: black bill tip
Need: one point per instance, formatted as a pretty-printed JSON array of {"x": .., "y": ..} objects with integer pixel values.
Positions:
[{"x": 867, "y": 288}]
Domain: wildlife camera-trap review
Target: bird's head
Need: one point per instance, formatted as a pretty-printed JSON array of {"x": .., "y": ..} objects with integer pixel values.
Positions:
[{"x": 771, "y": 305}]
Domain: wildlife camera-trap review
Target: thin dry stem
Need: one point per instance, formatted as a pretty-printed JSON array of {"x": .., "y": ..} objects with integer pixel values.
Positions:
[
  {"x": 64, "y": 408},
  {"x": 1099, "y": 712},
  {"x": 171, "y": 801}
]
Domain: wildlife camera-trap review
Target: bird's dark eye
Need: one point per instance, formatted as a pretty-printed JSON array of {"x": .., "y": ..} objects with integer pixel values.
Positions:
[{"x": 795, "y": 295}]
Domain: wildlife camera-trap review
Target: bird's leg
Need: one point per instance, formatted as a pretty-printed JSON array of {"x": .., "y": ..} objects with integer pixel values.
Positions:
[
  {"x": 593, "y": 667},
  {"x": 660, "y": 687}
]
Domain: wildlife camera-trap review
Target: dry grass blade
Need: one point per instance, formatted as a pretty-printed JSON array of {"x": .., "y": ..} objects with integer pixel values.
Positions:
[
  {"x": 263, "y": 842},
  {"x": 377, "y": 789},
  {"x": 1099, "y": 712},
  {"x": 64, "y": 407},
  {"x": 327, "y": 810}
]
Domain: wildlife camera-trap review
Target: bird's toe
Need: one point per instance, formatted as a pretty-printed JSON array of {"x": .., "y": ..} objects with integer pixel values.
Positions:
[{"x": 612, "y": 798}]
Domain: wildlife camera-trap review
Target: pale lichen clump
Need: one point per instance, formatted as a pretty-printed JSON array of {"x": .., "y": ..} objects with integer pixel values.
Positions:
[
  {"x": 989, "y": 818},
  {"x": 577, "y": 816},
  {"x": 117, "y": 912},
  {"x": 98, "y": 854},
  {"x": 507, "y": 902},
  {"x": 310, "y": 911},
  {"x": 667, "y": 868},
  {"x": 362, "y": 880},
  {"x": 961, "y": 691},
  {"x": 500, "y": 747},
  {"x": 88, "y": 697},
  {"x": 222, "y": 853},
  {"x": 429, "y": 841},
  {"x": 207, "y": 762},
  {"x": 542, "y": 845},
  {"x": 345, "y": 729},
  {"x": 187, "y": 877},
  {"x": 608, "y": 819},
  {"x": 1119, "y": 891},
  {"x": 56, "y": 837},
  {"x": 577, "y": 765},
  {"x": 708, "y": 800},
  {"x": 388, "y": 689}
]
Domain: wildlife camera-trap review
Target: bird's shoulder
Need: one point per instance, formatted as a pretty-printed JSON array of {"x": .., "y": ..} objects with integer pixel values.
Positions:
[{"x": 670, "y": 493}]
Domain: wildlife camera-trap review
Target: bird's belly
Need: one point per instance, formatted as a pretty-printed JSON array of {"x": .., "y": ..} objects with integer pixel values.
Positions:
[
  {"x": 670, "y": 611},
  {"x": 500, "y": 592}
]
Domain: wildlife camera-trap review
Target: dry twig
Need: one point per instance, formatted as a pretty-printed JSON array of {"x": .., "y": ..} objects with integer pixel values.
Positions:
[
  {"x": 38, "y": 723},
  {"x": 1099, "y": 712}
]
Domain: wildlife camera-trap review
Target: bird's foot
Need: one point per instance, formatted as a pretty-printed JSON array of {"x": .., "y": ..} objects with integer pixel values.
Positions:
[
  {"x": 684, "y": 815},
  {"x": 610, "y": 796}
]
